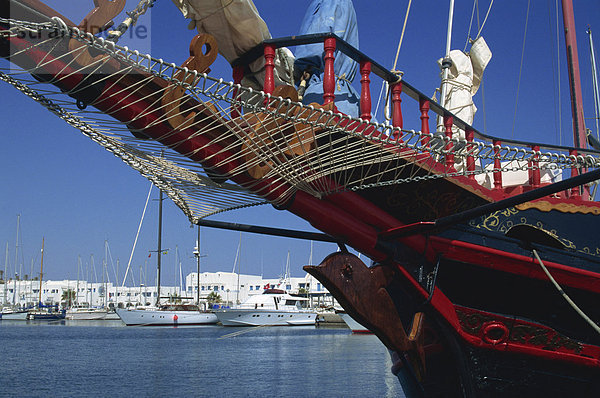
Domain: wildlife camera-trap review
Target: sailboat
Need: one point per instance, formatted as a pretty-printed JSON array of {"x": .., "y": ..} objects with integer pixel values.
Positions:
[
  {"x": 169, "y": 314},
  {"x": 13, "y": 313},
  {"x": 45, "y": 312},
  {"x": 477, "y": 287}
]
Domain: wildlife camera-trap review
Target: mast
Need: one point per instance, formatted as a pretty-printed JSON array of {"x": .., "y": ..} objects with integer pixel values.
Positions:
[
  {"x": 77, "y": 286},
  {"x": 197, "y": 254},
  {"x": 41, "y": 273},
  {"x": 446, "y": 63},
  {"x": 160, "y": 200},
  {"x": 574, "y": 77},
  {"x": 15, "y": 294},
  {"x": 5, "y": 274},
  {"x": 579, "y": 134}
]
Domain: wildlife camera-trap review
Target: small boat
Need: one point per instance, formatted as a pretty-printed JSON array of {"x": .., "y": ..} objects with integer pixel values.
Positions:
[
  {"x": 87, "y": 313},
  {"x": 47, "y": 313},
  {"x": 167, "y": 315},
  {"x": 272, "y": 308},
  {"x": 354, "y": 325},
  {"x": 14, "y": 315}
]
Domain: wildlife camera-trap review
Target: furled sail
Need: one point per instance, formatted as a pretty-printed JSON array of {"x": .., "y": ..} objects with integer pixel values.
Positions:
[
  {"x": 237, "y": 27},
  {"x": 464, "y": 78}
]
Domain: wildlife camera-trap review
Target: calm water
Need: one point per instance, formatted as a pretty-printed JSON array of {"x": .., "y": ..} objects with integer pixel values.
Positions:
[{"x": 104, "y": 358}]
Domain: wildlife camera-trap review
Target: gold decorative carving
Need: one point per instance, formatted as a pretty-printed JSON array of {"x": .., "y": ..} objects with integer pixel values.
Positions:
[{"x": 545, "y": 206}]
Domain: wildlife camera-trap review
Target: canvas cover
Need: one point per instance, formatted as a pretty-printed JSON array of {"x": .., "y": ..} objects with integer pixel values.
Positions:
[
  {"x": 339, "y": 17},
  {"x": 237, "y": 27},
  {"x": 464, "y": 78}
]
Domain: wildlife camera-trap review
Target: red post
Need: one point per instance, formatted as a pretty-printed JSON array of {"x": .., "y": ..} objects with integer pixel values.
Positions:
[
  {"x": 424, "y": 108},
  {"x": 448, "y": 122},
  {"x": 574, "y": 172},
  {"x": 534, "y": 172},
  {"x": 497, "y": 165},
  {"x": 269, "y": 68},
  {"x": 328, "y": 73},
  {"x": 365, "y": 90},
  {"x": 470, "y": 136},
  {"x": 238, "y": 75},
  {"x": 396, "y": 105}
]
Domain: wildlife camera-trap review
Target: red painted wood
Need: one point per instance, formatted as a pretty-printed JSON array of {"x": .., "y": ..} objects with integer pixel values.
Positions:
[
  {"x": 329, "y": 73},
  {"x": 470, "y": 136},
  {"x": 497, "y": 165},
  {"x": 396, "y": 105},
  {"x": 269, "y": 53},
  {"x": 574, "y": 172},
  {"x": 534, "y": 172},
  {"x": 448, "y": 122},
  {"x": 365, "y": 90},
  {"x": 424, "y": 108}
]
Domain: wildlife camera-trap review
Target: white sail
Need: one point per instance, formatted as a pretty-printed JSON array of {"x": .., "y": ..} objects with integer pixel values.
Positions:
[{"x": 237, "y": 27}]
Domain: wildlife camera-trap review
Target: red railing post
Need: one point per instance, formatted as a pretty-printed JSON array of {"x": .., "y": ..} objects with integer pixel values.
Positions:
[
  {"x": 534, "y": 172},
  {"x": 424, "y": 108},
  {"x": 396, "y": 105},
  {"x": 448, "y": 122},
  {"x": 497, "y": 165},
  {"x": 470, "y": 136},
  {"x": 574, "y": 172},
  {"x": 328, "y": 73},
  {"x": 365, "y": 90},
  {"x": 238, "y": 75},
  {"x": 269, "y": 52}
]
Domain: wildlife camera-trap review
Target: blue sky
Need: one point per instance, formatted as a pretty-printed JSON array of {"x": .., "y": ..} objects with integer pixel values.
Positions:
[{"x": 76, "y": 195}]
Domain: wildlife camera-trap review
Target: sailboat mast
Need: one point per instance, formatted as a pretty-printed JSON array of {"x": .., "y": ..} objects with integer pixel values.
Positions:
[
  {"x": 41, "y": 273},
  {"x": 160, "y": 200},
  {"x": 5, "y": 275}
]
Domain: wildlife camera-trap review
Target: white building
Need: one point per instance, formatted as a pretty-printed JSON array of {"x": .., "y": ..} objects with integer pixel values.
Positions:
[{"x": 229, "y": 286}]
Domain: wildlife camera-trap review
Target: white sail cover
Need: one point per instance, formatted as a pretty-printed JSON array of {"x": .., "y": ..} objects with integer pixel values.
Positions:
[
  {"x": 237, "y": 27},
  {"x": 464, "y": 78}
]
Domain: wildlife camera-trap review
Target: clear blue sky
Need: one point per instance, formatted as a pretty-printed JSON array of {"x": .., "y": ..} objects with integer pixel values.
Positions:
[{"x": 75, "y": 194}]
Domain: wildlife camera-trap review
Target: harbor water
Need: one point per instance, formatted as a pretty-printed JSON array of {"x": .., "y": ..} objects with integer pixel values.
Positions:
[{"x": 106, "y": 358}]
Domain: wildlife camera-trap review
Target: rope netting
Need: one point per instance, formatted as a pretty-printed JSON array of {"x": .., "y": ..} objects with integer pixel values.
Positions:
[{"x": 212, "y": 145}]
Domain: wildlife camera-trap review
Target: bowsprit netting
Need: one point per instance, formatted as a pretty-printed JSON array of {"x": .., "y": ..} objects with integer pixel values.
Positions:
[{"x": 212, "y": 145}]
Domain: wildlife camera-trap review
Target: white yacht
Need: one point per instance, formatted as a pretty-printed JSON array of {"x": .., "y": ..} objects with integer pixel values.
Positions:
[
  {"x": 90, "y": 314},
  {"x": 272, "y": 308},
  {"x": 167, "y": 315}
]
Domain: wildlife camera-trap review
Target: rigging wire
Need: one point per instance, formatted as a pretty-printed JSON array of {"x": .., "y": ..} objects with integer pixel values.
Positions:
[
  {"x": 520, "y": 69},
  {"x": 385, "y": 84},
  {"x": 555, "y": 74},
  {"x": 558, "y": 75}
]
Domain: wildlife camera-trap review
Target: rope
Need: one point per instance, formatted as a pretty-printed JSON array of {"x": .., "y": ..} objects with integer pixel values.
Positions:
[
  {"x": 485, "y": 19},
  {"x": 565, "y": 296},
  {"x": 402, "y": 35},
  {"x": 131, "y": 20},
  {"x": 137, "y": 235}
]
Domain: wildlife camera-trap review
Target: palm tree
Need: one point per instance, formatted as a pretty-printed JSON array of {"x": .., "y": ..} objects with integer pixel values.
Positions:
[
  {"x": 214, "y": 297},
  {"x": 68, "y": 297}
]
